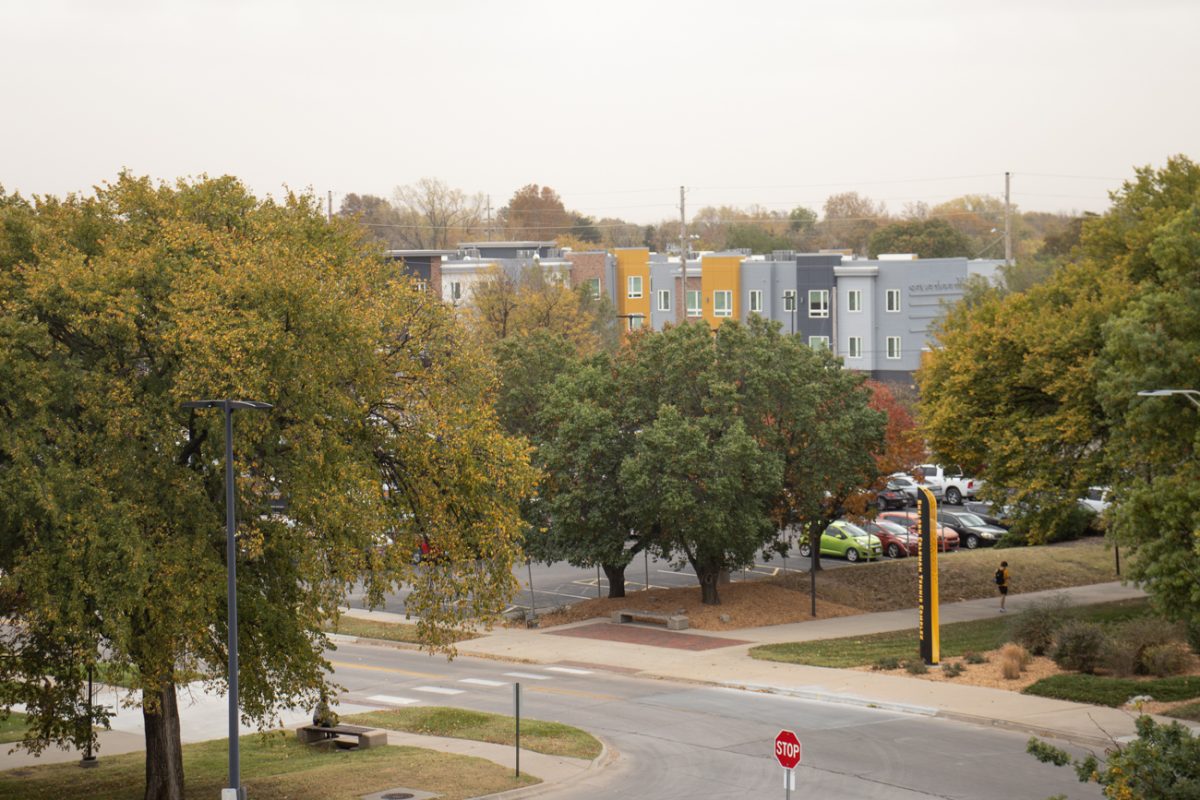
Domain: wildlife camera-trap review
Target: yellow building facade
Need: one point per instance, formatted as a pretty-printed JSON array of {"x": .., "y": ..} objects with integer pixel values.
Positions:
[
  {"x": 720, "y": 287},
  {"x": 633, "y": 285}
]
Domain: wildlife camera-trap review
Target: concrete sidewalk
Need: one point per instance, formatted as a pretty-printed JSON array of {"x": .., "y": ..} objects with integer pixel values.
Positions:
[{"x": 1089, "y": 725}]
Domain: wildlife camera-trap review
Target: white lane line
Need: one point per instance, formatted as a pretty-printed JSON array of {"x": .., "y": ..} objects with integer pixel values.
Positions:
[
  {"x": 393, "y": 700},
  {"x": 482, "y": 682},
  {"x": 529, "y": 675},
  {"x": 569, "y": 670},
  {"x": 436, "y": 690}
]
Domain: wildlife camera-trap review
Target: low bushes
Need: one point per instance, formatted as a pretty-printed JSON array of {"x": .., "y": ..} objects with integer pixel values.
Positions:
[
  {"x": 1013, "y": 660},
  {"x": 1079, "y": 646},
  {"x": 1035, "y": 628}
]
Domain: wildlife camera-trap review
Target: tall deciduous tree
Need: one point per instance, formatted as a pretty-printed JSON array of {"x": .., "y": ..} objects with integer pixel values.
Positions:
[
  {"x": 536, "y": 213},
  {"x": 434, "y": 216},
  {"x": 928, "y": 238},
  {"x": 849, "y": 220},
  {"x": 112, "y": 539}
]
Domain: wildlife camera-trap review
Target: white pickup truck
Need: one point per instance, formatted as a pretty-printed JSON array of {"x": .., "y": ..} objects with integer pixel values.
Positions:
[{"x": 955, "y": 486}]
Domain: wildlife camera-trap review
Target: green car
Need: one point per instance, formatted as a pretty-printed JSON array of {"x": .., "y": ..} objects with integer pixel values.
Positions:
[{"x": 845, "y": 539}]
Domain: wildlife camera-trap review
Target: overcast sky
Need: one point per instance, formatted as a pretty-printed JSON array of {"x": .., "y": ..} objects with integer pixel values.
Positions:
[{"x": 614, "y": 104}]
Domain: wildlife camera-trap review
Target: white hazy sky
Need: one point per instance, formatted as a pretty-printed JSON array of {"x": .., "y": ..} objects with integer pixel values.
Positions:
[{"x": 614, "y": 104}]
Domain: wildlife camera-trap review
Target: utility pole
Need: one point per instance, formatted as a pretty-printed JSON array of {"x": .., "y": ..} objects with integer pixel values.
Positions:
[
  {"x": 329, "y": 212},
  {"x": 489, "y": 217},
  {"x": 683, "y": 292},
  {"x": 1007, "y": 221}
]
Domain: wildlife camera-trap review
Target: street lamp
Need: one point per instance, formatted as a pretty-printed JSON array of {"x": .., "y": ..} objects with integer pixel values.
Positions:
[
  {"x": 1191, "y": 394},
  {"x": 235, "y": 791}
]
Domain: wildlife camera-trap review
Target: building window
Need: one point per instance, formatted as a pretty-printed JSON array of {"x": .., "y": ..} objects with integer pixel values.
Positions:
[
  {"x": 456, "y": 290},
  {"x": 893, "y": 347},
  {"x": 789, "y": 300},
  {"x": 722, "y": 303},
  {"x": 593, "y": 287},
  {"x": 635, "y": 287},
  {"x": 664, "y": 299},
  {"x": 854, "y": 300},
  {"x": 855, "y": 348},
  {"x": 818, "y": 303},
  {"x": 636, "y": 321},
  {"x": 893, "y": 299},
  {"x": 693, "y": 303},
  {"x": 422, "y": 286},
  {"x": 756, "y": 301},
  {"x": 818, "y": 342}
]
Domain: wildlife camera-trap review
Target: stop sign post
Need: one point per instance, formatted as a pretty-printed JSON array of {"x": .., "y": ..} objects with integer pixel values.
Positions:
[{"x": 787, "y": 753}]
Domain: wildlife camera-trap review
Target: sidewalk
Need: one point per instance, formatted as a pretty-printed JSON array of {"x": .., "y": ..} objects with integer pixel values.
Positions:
[{"x": 732, "y": 667}]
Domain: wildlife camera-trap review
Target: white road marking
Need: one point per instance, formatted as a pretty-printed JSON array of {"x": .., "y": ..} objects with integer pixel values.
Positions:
[
  {"x": 437, "y": 690},
  {"x": 569, "y": 670},
  {"x": 482, "y": 682},
  {"x": 393, "y": 700},
  {"x": 528, "y": 675}
]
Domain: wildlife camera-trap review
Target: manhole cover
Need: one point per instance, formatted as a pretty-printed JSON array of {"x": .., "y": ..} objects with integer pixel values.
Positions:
[{"x": 397, "y": 796}]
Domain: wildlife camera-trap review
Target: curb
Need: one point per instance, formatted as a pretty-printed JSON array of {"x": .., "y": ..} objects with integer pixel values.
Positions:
[
  {"x": 833, "y": 697},
  {"x": 606, "y": 757}
]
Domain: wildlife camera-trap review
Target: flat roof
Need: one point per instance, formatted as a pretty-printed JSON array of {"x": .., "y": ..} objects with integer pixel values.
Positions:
[{"x": 403, "y": 253}]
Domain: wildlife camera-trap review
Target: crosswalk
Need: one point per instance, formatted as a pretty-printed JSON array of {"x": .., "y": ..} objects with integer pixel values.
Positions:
[{"x": 467, "y": 683}]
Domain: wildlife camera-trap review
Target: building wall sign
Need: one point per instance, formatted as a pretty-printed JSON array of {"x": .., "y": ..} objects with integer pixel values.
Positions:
[{"x": 935, "y": 288}]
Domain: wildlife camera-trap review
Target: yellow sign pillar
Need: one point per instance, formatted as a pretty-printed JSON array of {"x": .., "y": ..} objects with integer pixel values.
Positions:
[{"x": 927, "y": 572}]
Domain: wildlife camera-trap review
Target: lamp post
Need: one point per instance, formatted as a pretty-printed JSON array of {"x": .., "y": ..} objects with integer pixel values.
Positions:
[
  {"x": 235, "y": 791},
  {"x": 1192, "y": 395}
]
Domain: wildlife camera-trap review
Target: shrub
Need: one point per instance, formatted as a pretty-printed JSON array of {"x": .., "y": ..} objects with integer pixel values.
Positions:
[
  {"x": 972, "y": 657},
  {"x": 1013, "y": 660},
  {"x": 1132, "y": 639},
  {"x": 1035, "y": 628},
  {"x": 916, "y": 667},
  {"x": 886, "y": 662},
  {"x": 953, "y": 670},
  {"x": 1164, "y": 660},
  {"x": 1193, "y": 636},
  {"x": 1079, "y": 646}
]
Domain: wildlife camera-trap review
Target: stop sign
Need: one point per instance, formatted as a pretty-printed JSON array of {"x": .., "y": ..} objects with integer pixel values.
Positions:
[{"x": 787, "y": 749}]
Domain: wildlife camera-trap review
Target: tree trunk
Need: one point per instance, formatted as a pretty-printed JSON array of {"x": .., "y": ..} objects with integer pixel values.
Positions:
[
  {"x": 814, "y": 541},
  {"x": 709, "y": 579},
  {"x": 164, "y": 750},
  {"x": 616, "y": 579}
]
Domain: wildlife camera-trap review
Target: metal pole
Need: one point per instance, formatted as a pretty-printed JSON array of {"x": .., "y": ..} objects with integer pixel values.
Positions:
[
  {"x": 646, "y": 553},
  {"x": 1117, "y": 553},
  {"x": 812, "y": 575},
  {"x": 235, "y": 777},
  {"x": 682, "y": 259},
  {"x": 1007, "y": 221},
  {"x": 329, "y": 213},
  {"x": 532, "y": 602},
  {"x": 517, "y": 717},
  {"x": 597, "y": 580}
]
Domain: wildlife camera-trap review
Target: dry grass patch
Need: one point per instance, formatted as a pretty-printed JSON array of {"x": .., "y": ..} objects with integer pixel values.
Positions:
[{"x": 364, "y": 628}]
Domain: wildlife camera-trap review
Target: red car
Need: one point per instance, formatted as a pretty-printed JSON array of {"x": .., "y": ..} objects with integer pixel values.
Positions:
[
  {"x": 897, "y": 540},
  {"x": 947, "y": 539}
]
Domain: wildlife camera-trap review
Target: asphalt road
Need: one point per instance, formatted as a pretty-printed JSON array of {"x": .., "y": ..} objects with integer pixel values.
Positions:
[
  {"x": 561, "y": 584},
  {"x": 676, "y": 741}
]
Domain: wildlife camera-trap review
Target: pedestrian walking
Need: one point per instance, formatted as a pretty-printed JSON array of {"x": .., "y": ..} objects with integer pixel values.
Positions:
[{"x": 1002, "y": 583}]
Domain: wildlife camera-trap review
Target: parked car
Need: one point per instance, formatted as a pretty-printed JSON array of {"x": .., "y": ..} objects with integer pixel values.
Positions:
[
  {"x": 897, "y": 540},
  {"x": 1096, "y": 500},
  {"x": 986, "y": 512},
  {"x": 846, "y": 540},
  {"x": 910, "y": 487},
  {"x": 955, "y": 485},
  {"x": 972, "y": 531},
  {"x": 947, "y": 538},
  {"x": 892, "y": 496}
]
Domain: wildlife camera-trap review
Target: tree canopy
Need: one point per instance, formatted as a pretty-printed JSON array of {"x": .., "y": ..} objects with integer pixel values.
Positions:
[{"x": 117, "y": 308}]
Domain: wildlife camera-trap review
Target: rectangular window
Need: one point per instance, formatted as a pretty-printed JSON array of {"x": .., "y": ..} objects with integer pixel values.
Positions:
[
  {"x": 756, "y": 301},
  {"x": 854, "y": 300},
  {"x": 422, "y": 286},
  {"x": 635, "y": 286},
  {"x": 664, "y": 299},
  {"x": 789, "y": 300},
  {"x": 893, "y": 299},
  {"x": 455, "y": 290},
  {"x": 893, "y": 347},
  {"x": 722, "y": 303},
  {"x": 855, "y": 348},
  {"x": 593, "y": 287},
  {"x": 818, "y": 342},
  {"x": 636, "y": 321},
  {"x": 818, "y": 303},
  {"x": 693, "y": 303}
]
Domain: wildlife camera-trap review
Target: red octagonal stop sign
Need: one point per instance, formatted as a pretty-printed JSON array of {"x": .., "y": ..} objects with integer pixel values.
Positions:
[{"x": 787, "y": 749}]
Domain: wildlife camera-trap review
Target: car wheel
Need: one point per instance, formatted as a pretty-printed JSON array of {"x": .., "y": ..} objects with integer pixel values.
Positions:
[
  {"x": 893, "y": 550},
  {"x": 972, "y": 541},
  {"x": 806, "y": 550},
  {"x": 852, "y": 555},
  {"x": 953, "y": 496}
]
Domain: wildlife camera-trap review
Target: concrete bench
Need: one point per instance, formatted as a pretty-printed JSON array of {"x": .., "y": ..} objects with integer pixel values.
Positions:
[
  {"x": 674, "y": 622},
  {"x": 342, "y": 735}
]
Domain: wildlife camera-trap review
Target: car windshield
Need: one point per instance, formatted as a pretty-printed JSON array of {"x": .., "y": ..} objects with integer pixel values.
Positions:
[
  {"x": 970, "y": 519},
  {"x": 900, "y": 482},
  {"x": 852, "y": 529},
  {"x": 891, "y": 527}
]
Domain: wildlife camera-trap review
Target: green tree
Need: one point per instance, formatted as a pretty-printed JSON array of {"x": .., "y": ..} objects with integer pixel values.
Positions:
[
  {"x": 536, "y": 213},
  {"x": 111, "y": 534},
  {"x": 928, "y": 238}
]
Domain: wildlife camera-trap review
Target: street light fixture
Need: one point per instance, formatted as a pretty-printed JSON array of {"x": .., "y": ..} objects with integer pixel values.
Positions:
[
  {"x": 1192, "y": 395},
  {"x": 235, "y": 790}
]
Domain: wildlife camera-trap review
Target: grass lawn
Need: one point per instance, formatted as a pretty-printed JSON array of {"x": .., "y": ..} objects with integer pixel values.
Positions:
[
  {"x": 388, "y": 631},
  {"x": 274, "y": 767},
  {"x": 12, "y": 728},
  {"x": 1105, "y": 691},
  {"x": 551, "y": 738},
  {"x": 956, "y": 638}
]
